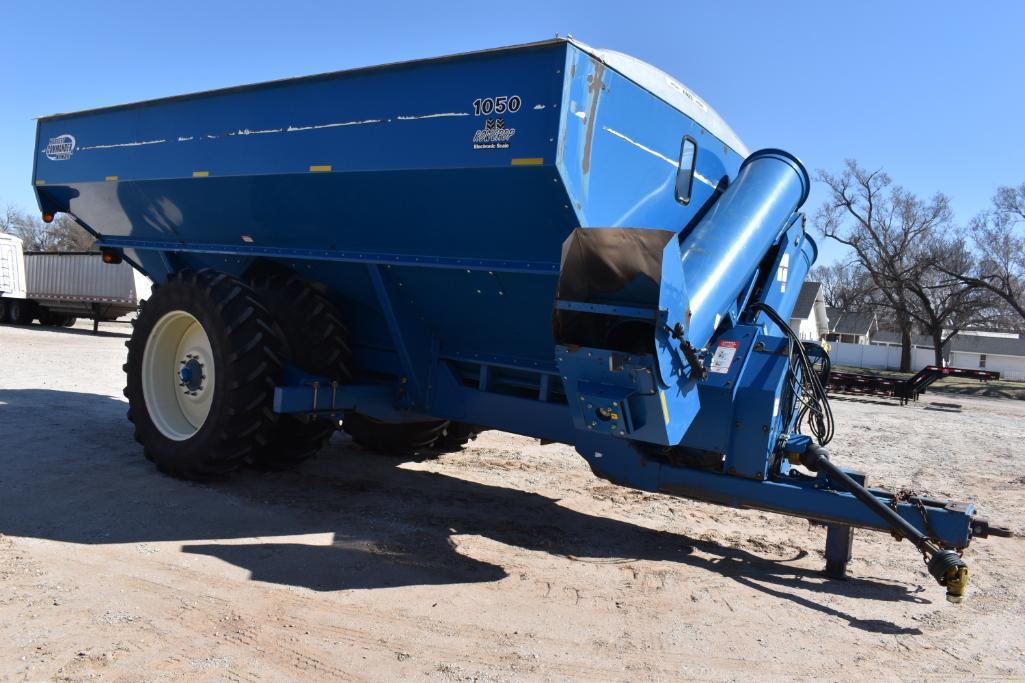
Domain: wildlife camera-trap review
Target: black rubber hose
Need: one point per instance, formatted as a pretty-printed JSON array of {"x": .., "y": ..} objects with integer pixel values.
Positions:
[
  {"x": 816, "y": 459},
  {"x": 808, "y": 389},
  {"x": 946, "y": 566}
]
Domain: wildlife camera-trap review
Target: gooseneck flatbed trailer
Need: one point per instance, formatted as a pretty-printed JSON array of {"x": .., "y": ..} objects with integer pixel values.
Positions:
[
  {"x": 904, "y": 390},
  {"x": 548, "y": 239}
]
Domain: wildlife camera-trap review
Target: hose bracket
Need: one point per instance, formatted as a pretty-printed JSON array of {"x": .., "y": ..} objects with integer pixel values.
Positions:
[{"x": 693, "y": 355}]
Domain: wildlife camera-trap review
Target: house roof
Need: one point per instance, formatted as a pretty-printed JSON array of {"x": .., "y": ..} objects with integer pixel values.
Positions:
[
  {"x": 997, "y": 346},
  {"x": 967, "y": 343},
  {"x": 850, "y": 322},
  {"x": 806, "y": 300},
  {"x": 893, "y": 337}
]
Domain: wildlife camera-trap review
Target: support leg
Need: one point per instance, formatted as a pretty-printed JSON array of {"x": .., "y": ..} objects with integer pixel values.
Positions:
[
  {"x": 96, "y": 325},
  {"x": 839, "y": 538}
]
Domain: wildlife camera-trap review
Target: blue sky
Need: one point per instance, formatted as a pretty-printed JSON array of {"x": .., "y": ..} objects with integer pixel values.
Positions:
[{"x": 932, "y": 91}]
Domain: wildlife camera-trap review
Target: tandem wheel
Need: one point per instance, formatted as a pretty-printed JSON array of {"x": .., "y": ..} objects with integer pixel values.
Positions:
[{"x": 203, "y": 362}]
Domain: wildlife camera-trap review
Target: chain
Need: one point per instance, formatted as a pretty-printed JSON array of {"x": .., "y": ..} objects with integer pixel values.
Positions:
[{"x": 909, "y": 496}]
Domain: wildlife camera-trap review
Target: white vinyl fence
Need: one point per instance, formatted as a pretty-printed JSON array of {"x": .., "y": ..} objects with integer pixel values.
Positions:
[
  {"x": 877, "y": 357},
  {"x": 888, "y": 358}
]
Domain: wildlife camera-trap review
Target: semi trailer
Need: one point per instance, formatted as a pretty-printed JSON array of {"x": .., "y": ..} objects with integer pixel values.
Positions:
[
  {"x": 62, "y": 286},
  {"x": 549, "y": 239}
]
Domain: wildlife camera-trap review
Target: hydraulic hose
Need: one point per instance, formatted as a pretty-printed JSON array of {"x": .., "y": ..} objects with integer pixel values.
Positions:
[{"x": 946, "y": 566}]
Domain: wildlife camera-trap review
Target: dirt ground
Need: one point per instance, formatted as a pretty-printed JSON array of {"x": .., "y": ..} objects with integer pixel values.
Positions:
[{"x": 506, "y": 561}]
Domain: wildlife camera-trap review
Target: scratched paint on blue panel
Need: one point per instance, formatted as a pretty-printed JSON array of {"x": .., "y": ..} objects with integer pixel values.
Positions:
[
  {"x": 414, "y": 116},
  {"x": 614, "y": 130}
]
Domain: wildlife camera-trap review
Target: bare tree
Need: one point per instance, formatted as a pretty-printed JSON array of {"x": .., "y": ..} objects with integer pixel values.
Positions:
[
  {"x": 10, "y": 217},
  {"x": 63, "y": 234},
  {"x": 67, "y": 235},
  {"x": 943, "y": 305},
  {"x": 845, "y": 285},
  {"x": 999, "y": 265},
  {"x": 34, "y": 233},
  {"x": 887, "y": 228}
]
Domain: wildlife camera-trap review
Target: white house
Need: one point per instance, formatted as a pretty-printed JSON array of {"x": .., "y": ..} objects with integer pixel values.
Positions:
[
  {"x": 853, "y": 327},
  {"x": 809, "y": 319},
  {"x": 999, "y": 351},
  {"x": 1003, "y": 354}
]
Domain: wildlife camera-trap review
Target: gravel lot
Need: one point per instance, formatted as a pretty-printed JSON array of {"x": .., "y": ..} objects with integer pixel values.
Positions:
[{"x": 506, "y": 561}]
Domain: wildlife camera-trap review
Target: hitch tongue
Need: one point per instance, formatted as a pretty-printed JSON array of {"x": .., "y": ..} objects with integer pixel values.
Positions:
[{"x": 946, "y": 566}]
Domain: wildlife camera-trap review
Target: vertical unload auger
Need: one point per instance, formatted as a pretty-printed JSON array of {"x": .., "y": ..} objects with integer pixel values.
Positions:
[{"x": 684, "y": 376}]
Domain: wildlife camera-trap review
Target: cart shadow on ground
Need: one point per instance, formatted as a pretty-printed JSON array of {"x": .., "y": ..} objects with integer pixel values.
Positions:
[
  {"x": 945, "y": 407},
  {"x": 70, "y": 471},
  {"x": 877, "y": 400},
  {"x": 895, "y": 403}
]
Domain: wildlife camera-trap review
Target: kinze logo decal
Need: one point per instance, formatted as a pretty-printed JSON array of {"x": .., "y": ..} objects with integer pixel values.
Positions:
[
  {"x": 60, "y": 148},
  {"x": 494, "y": 135}
]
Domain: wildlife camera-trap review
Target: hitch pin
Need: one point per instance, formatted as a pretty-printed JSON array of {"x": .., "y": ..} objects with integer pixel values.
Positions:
[{"x": 316, "y": 390}]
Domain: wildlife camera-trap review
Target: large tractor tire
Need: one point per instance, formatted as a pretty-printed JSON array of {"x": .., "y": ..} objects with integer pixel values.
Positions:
[
  {"x": 203, "y": 362},
  {"x": 315, "y": 341}
]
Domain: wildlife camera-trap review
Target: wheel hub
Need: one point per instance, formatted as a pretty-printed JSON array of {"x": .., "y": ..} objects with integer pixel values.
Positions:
[
  {"x": 178, "y": 375},
  {"x": 191, "y": 374}
]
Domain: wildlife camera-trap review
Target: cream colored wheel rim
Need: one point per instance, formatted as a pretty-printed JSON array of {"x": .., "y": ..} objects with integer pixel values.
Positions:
[{"x": 178, "y": 375}]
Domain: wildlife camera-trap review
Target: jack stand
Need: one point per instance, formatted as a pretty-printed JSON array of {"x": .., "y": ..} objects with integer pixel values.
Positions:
[{"x": 839, "y": 538}]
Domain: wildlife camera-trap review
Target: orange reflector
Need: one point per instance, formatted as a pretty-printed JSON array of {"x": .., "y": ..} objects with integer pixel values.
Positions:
[
  {"x": 112, "y": 256},
  {"x": 48, "y": 218}
]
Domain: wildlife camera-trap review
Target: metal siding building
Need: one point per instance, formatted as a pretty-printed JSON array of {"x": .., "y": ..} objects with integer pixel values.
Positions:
[{"x": 1004, "y": 354}]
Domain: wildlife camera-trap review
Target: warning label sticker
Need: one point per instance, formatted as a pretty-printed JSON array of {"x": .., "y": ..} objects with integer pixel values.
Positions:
[{"x": 723, "y": 356}]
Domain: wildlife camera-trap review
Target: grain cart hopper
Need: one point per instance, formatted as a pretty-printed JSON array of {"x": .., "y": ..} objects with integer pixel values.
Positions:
[{"x": 547, "y": 239}]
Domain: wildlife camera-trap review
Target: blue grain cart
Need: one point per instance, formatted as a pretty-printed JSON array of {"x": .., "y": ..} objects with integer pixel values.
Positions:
[{"x": 547, "y": 239}]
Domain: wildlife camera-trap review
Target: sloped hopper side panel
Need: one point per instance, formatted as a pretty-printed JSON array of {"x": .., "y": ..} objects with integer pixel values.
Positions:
[{"x": 610, "y": 267}]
